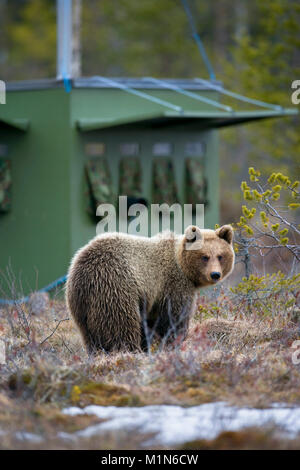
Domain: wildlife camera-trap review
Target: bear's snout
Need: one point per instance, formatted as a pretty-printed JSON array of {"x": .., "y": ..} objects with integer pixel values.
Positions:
[{"x": 215, "y": 276}]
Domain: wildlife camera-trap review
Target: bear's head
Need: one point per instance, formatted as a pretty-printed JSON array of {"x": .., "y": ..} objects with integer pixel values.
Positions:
[{"x": 206, "y": 256}]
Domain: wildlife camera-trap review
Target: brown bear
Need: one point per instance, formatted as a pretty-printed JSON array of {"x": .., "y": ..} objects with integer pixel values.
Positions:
[{"x": 123, "y": 290}]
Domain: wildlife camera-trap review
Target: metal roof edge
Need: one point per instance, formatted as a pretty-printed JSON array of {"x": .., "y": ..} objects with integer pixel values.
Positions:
[
  {"x": 39, "y": 84},
  {"x": 143, "y": 82},
  {"x": 244, "y": 114},
  {"x": 95, "y": 82}
]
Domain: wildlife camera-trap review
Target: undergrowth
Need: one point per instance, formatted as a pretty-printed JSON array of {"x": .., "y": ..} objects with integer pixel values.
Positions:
[{"x": 239, "y": 349}]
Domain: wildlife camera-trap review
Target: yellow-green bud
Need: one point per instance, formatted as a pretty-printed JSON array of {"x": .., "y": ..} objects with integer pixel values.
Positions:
[
  {"x": 257, "y": 195},
  {"x": 295, "y": 184},
  {"x": 272, "y": 178},
  {"x": 294, "y": 205},
  {"x": 263, "y": 216},
  {"x": 246, "y": 211},
  {"x": 248, "y": 196},
  {"x": 249, "y": 230}
]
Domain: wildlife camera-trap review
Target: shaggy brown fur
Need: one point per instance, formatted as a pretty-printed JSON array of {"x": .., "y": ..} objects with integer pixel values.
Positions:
[{"x": 122, "y": 289}]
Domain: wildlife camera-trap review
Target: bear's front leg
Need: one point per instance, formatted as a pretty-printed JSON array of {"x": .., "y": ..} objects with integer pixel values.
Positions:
[{"x": 172, "y": 315}]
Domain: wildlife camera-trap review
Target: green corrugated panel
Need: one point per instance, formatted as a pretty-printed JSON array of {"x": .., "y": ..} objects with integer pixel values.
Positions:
[
  {"x": 131, "y": 177},
  {"x": 5, "y": 185},
  {"x": 100, "y": 189},
  {"x": 195, "y": 183},
  {"x": 164, "y": 184}
]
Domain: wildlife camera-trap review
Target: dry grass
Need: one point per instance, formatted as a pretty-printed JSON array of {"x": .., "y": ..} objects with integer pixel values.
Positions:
[{"x": 244, "y": 360}]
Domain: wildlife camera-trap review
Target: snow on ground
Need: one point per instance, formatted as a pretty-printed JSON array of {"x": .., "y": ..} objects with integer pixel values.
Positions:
[
  {"x": 28, "y": 436},
  {"x": 173, "y": 425}
]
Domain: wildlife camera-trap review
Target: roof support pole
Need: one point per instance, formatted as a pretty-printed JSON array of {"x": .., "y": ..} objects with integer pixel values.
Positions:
[
  {"x": 239, "y": 97},
  {"x": 145, "y": 96},
  {"x": 170, "y": 86}
]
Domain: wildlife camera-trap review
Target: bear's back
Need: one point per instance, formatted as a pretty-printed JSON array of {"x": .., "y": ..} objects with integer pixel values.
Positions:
[{"x": 139, "y": 265}]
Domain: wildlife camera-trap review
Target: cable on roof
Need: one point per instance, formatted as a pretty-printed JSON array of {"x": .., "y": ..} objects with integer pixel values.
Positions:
[{"x": 197, "y": 39}]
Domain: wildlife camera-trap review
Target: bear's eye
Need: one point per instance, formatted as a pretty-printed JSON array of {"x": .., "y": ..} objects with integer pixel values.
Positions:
[
  {"x": 205, "y": 258},
  {"x": 220, "y": 257}
]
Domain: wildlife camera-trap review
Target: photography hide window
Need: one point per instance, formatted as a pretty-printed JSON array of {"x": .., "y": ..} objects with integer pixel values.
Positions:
[
  {"x": 131, "y": 180},
  {"x": 195, "y": 149},
  {"x": 195, "y": 182},
  {"x": 99, "y": 184},
  {"x": 164, "y": 183},
  {"x": 95, "y": 149},
  {"x": 5, "y": 185},
  {"x": 130, "y": 149},
  {"x": 162, "y": 149}
]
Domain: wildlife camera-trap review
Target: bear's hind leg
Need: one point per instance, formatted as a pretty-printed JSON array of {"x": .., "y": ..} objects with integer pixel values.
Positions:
[{"x": 116, "y": 330}]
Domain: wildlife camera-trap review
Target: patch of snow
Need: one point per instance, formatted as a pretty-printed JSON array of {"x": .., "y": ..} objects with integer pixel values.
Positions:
[
  {"x": 28, "y": 436},
  {"x": 173, "y": 425}
]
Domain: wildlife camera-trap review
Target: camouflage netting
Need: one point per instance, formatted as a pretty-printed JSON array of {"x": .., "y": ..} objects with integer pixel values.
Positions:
[
  {"x": 195, "y": 183},
  {"x": 100, "y": 189},
  {"x": 131, "y": 177},
  {"x": 164, "y": 184},
  {"x": 5, "y": 185}
]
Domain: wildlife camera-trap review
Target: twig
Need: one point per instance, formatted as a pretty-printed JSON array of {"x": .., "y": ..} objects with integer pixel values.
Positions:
[{"x": 51, "y": 334}]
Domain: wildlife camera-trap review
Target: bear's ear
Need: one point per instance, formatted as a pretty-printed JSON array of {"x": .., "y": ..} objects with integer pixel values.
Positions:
[
  {"x": 192, "y": 235},
  {"x": 226, "y": 233}
]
